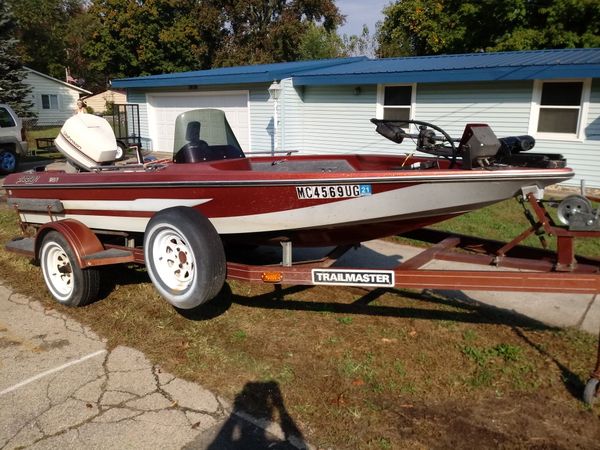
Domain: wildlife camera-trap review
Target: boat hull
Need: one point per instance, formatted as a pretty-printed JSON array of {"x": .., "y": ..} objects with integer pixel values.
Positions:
[{"x": 255, "y": 207}]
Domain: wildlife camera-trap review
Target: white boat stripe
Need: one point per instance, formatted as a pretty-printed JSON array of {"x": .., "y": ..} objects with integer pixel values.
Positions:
[{"x": 140, "y": 204}]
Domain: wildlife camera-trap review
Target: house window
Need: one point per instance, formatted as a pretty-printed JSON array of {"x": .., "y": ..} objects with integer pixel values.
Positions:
[
  {"x": 395, "y": 102},
  {"x": 559, "y": 109},
  {"x": 49, "y": 101}
]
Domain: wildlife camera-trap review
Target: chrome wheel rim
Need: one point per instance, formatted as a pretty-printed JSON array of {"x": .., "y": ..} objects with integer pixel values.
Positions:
[
  {"x": 173, "y": 260},
  {"x": 58, "y": 271}
]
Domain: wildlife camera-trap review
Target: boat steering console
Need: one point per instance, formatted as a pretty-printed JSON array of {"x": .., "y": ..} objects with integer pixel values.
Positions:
[
  {"x": 426, "y": 139},
  {"x": 477, "y": 148}
]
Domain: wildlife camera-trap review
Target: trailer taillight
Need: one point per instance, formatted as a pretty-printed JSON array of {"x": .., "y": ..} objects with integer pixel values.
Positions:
[{"x": 272, "y": 277}]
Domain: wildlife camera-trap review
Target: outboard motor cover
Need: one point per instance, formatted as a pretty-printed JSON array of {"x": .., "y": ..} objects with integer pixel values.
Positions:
[{"x": 87, "y": 141}]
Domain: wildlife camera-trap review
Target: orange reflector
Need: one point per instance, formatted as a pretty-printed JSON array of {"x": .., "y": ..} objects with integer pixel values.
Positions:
[{"x": 272, "y": 277}]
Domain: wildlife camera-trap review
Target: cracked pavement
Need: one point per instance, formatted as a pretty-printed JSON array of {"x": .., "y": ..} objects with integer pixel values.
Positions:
[{"x": 60, "y": 387}]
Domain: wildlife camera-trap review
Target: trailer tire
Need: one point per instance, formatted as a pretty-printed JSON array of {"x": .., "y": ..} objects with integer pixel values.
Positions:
[
  {"x": 67, "y": 282},
  {"x": 121, "y": 150},
  {"x": 184, "y": 257},
  {"x": 591, "y": 391}
]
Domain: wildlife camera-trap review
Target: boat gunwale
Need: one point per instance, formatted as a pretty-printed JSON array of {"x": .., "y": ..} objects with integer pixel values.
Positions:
[{"x": 299, "y": 179}]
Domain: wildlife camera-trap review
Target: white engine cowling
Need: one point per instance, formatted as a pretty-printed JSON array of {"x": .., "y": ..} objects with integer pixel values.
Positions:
[{"x": 87, "y": 141}]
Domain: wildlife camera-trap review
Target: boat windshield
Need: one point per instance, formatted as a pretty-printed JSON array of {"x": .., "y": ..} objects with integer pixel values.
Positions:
[{"x": 208, "y": 126}]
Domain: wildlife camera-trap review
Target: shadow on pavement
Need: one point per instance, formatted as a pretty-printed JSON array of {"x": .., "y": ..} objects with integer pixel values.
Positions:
[{"x": 241, "y": 430}]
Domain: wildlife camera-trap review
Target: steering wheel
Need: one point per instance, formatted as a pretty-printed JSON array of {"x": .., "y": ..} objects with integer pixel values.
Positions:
[{"x": 427, "y": 141}]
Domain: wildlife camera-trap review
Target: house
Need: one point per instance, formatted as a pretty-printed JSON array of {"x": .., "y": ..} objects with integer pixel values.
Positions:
[
  {"x": 99, "y": 101},
  {"x": 324, "y": 106},
  {"x": 54, "y": 101}
]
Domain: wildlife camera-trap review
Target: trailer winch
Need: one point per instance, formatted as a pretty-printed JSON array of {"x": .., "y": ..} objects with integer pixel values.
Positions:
[{"x": 577, "y": 212}]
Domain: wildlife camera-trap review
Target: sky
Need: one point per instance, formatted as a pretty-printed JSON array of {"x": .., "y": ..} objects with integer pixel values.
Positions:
[{"x": 359, "y": 12}]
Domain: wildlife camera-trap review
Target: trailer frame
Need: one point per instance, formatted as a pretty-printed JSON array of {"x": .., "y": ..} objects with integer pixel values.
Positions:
[{"x": 508, "y": 266}]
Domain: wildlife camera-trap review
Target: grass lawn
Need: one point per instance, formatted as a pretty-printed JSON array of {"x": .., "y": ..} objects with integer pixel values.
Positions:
[
  {"x": 505, "y": 221},
  {"x": 42, "y": 154},
  {"x": 357, "y": 369},
  {"x": 41, "y": 132}
]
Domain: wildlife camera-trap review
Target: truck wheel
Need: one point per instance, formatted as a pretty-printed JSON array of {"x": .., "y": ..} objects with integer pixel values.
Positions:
[
  {"x": 184, "y": 257},
  {"x": 8, "y": 161},
  {"x": 67, "y": 282}
]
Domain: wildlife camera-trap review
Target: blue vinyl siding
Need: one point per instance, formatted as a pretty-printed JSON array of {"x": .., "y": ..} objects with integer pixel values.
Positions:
[
  {"x": 506, "y": 107},
  {"x": 335, "y": 119},
  {"x": 583, "y": 156},
  {"x": 503, "y": 106},
  {"x": 261, "y": 119},
  {"x": 332, "y": 119},
  {"x": 291, "y": 118}
]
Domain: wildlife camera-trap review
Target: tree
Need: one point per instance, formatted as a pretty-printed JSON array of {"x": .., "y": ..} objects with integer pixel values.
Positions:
[
  {"x": 13, "y": 90},
  {"x": 360, "y": 45},
  {"x": 42, "y": 28},
  {"x": 265, "y": 31},
  {"x": 78, "y": 32},
  {"x": 420, "y": 27},
  {"x": 318, "y": 43},
  {"x": 53, "y": 35},
  {"x": 134, "y": 38}
]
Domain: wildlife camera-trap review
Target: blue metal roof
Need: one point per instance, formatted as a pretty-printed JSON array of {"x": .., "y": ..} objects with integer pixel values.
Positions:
[
  {"x": 261, "y": 73},
  {"x": 523, "y": 65}
]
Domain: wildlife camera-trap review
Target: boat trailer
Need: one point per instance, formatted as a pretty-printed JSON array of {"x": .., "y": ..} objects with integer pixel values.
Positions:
[{"x": 520, "y": 268}]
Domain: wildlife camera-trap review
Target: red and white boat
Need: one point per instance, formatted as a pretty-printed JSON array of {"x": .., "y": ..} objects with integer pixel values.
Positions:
[
  {"x": 176, "y": 215},
  {"x": 310, "y": 200}
]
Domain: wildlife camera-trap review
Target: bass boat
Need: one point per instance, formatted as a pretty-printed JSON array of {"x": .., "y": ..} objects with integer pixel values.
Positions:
[{"x": 310, "y": 200}]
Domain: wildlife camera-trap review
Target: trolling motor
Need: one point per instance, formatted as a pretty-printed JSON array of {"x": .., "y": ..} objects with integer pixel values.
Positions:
[{"x": 426, "y": 139}]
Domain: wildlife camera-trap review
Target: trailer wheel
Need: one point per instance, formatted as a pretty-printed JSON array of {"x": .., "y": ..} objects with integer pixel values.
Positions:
[
  {"x": 66, "y": 281},
  {"x": 591, "y": 391},
  {"x": 121, "y": 150},
  {"x": 184, "y": 257}
]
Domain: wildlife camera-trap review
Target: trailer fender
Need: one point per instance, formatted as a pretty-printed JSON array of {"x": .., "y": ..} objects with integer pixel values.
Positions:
[{"x": 82, "y": 240}]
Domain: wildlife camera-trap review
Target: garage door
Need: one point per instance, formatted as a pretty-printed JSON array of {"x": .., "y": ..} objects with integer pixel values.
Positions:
[{"x": 163, "y": 109}]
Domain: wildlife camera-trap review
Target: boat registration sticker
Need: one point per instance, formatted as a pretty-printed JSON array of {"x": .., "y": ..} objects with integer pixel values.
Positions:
[
  {"x": 347, "y": 277},
  {"x": 333, "y": 191}
]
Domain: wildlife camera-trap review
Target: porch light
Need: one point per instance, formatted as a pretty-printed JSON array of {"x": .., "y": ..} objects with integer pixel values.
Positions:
[
  {"x": 275, "y": 93},
  {"x": 275, "y": 90}
]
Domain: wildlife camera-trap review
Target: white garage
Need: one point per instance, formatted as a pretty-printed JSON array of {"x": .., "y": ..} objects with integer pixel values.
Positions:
[{"x": 164, "y": 108}]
